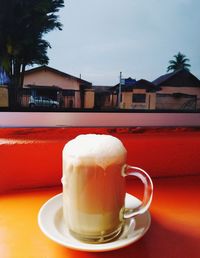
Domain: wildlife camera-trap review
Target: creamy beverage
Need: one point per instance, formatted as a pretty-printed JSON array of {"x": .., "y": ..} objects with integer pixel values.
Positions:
[
  {"x": 93, "y": 186},
  {"x": 94, "y": 171}
]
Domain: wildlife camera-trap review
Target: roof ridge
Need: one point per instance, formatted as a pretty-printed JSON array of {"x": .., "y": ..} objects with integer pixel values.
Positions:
[{"x": 55, "y": 70}]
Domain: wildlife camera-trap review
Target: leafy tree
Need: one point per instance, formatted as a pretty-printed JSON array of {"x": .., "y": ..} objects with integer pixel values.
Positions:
[
  {"x": 179, "y": 62},
  {"x": 22, "y": 27}
]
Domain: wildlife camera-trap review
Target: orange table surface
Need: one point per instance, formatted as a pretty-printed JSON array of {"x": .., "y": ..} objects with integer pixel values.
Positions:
[{"x": 174, "y": 231}]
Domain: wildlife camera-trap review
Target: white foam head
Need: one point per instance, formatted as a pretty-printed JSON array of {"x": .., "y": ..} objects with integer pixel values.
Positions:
[{"x": 99, "y": 148}]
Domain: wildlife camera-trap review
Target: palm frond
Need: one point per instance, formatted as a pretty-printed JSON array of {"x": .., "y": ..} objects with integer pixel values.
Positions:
[{"x": 180, "y": 61}]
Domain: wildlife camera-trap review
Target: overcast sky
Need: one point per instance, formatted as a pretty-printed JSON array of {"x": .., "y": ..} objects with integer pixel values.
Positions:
[{"x": 101, "y": 38}]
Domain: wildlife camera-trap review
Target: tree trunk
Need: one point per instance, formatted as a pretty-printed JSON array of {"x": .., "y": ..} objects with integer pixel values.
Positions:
[
  {"x": 14, "y": 98},
  {"x": 22, "y": 75}
]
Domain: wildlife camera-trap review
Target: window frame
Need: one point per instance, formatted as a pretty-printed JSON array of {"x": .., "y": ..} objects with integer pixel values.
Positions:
[{"x": 138, "y": 97}]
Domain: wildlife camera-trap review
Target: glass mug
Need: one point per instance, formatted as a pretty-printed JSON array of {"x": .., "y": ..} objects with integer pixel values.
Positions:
[{"x": 94, "y": 171}]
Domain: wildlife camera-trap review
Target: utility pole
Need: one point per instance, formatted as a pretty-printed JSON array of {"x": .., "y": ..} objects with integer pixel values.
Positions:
[{"x": 120, "y": 89}]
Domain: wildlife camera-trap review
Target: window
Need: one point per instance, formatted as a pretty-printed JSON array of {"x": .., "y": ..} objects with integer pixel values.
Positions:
[
  {"x": 68, "y": 92},
  {"x": 139, "y": 98}
]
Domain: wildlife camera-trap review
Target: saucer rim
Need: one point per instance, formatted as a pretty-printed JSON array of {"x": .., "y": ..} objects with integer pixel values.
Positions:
[{"x": 104, "y": 247}]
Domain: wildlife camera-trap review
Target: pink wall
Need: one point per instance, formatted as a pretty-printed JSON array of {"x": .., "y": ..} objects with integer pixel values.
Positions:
[{"x": 48, "y": 78}]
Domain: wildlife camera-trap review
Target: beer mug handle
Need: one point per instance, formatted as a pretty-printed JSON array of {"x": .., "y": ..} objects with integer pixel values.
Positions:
[{"x": 148, "y": 191}]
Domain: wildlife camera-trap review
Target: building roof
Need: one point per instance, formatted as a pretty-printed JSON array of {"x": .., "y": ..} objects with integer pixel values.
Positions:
[
  {"x": 47, "y": 68},
  {"x": 102, "y": 89},
  {"x": 131, "y": 84},
  {"x": 126, "y": 82},
  {"x": 141, "y": 84},
  {"x": 179, "y": 78},
  {"x": 33, "y": 86}
]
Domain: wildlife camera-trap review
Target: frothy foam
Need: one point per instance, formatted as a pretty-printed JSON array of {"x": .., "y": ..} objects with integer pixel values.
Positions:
[{"x": 102, "y": 150}]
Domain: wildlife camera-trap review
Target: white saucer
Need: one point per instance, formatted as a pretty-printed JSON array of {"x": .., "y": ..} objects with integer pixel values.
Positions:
[{"x": 51, "y": 223}]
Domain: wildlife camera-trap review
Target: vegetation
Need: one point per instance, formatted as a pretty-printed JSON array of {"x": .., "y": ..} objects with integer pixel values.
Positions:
[
  {"x": 180, "y": 62},
  {"x": 22, "y": 27}
]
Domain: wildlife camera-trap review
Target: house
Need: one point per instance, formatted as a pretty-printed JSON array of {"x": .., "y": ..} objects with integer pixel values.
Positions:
[
  {"x": 3, "y": 89},
  {"x": 104, "y": 97},
  {"x": 140, "y": 95},
  {"x": 176, "y": 91},
  {"x": 3, "y": 96},
  {"x": 70, "y": 91},
  {"x": 179, "y": 90}
]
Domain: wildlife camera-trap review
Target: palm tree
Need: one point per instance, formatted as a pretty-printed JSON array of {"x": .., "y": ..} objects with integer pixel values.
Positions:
[
  {"x": 22, "y": 27},
  {"x": 179, "y": 62}
]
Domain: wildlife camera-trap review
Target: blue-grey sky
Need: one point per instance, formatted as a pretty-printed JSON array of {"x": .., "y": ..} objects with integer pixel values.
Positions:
[{"x": 101, "y": 38}]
